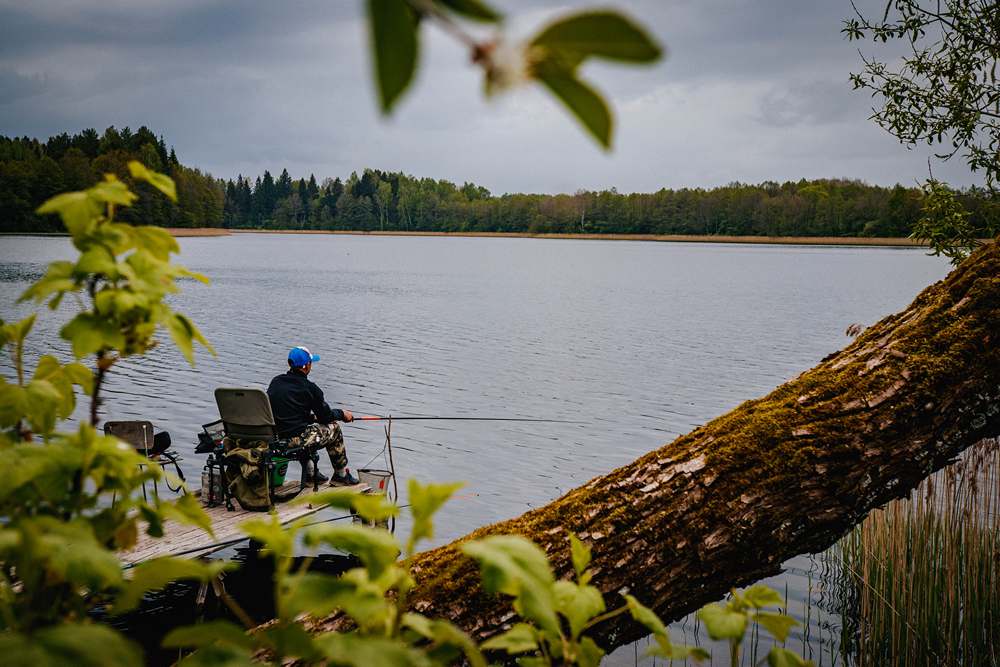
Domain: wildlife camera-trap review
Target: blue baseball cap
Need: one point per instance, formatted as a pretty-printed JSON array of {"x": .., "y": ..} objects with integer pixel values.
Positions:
[{"x": 300, "y": 356}]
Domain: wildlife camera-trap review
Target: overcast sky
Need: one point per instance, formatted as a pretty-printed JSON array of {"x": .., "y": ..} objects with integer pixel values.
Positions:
[{"x": 749, "y": 91}]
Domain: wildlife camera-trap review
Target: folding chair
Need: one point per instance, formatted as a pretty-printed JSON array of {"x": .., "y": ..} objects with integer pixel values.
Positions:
[
  {"x": 246, "y": 415},
  {"x": 140, "y": 435}
]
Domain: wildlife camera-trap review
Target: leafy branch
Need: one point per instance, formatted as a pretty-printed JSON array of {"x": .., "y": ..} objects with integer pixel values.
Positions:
[{"x": 552, "y": 57}]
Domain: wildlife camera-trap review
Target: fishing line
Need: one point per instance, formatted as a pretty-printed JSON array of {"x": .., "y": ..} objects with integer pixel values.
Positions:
[{"x": 479, "y": 419}]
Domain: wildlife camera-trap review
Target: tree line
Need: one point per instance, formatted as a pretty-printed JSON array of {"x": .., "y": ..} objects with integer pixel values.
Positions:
[{"x": 31, "y": 171}]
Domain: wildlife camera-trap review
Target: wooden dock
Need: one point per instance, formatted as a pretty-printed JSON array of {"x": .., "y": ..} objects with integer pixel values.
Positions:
[{"x": 190, "y": 541}]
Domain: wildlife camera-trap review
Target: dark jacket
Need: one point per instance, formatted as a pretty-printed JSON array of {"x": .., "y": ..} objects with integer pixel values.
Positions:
[{"x": 297, "y": 402}]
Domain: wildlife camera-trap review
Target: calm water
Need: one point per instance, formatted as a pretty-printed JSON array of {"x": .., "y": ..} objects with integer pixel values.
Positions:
[{"x": 641, "y": 341}]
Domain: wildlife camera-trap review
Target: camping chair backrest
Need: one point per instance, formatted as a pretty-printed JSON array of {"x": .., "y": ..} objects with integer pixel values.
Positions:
[
  {"x": 139, "y": 434},
  {"x": 246, "y": 413}
]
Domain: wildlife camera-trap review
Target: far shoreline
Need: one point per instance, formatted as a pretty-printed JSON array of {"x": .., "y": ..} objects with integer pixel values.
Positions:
[
  {"x": 860, "y": 241},
  {"x": 661, "y": 238}
]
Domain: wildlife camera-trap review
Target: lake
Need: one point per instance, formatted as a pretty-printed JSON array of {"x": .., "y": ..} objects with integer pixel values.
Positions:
[{"x": 640, "y": 341}]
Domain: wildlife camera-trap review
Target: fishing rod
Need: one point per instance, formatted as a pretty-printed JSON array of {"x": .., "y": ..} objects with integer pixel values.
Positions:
[{"x": 373, "y": 418}]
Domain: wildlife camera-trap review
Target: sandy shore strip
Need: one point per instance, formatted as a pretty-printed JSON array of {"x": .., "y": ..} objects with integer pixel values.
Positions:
[
  {"x": 197, "y": 231},
  {"x": 675, "y": 238}
]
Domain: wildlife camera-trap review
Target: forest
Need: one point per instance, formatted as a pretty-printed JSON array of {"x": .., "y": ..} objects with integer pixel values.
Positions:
[{"x": 32, "y": 170}]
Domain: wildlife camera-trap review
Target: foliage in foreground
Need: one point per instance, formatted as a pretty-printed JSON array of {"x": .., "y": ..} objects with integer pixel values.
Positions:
[
  {"x": 71, "y": 500},
  {"x": 552, "y": 616},
  {"x": 552, "y": 57}
]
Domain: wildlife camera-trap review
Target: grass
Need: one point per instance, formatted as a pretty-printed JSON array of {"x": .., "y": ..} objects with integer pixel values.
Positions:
[{"x": 919, "y": 580}]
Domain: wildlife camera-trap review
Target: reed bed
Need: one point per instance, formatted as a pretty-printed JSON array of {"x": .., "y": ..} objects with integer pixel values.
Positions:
[{"x": 919, "y": 580}]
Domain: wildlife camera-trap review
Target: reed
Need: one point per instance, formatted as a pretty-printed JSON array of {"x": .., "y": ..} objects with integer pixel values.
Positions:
[{"x": 919, "y": 580}]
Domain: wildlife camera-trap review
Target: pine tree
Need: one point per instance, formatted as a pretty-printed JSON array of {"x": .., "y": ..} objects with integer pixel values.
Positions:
[{"x": 284, "y": 185}]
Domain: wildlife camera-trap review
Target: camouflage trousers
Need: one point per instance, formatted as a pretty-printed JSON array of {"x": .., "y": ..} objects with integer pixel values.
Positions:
[{"x": 324, "y": 436}]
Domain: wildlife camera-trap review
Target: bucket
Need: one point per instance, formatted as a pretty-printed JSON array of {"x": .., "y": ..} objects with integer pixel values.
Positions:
[
  {"x": 377, "y": 480},
  {"x": 279, "y": 472}
]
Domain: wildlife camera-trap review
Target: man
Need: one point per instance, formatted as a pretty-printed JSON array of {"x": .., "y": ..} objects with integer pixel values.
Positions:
[{"x": 303, "y": 416}]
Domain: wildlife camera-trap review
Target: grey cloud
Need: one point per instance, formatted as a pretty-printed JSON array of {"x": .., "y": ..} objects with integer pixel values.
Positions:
[
  {"x": 814, "y": 102},
  {"x": 750, "y": 91},
  {"x": 15, "y": 87}
]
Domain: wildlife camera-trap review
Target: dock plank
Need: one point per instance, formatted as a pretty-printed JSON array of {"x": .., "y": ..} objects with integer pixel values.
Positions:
[{"x": 189, "y": 541}]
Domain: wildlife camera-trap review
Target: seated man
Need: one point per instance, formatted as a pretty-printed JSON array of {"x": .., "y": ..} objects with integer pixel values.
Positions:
[{"x": 302, "y": 416}]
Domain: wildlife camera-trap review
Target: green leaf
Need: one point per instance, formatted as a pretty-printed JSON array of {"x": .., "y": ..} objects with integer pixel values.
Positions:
[
  {"x": 58, "y": 278},
  {"x": 375, "y": 547},
  {"x": 97, "y": 259},
  {"x": 761, "y": 596},
  {"x": 722, "y": 623},
  {"x": 79, "y": 212},
  {"x": 89, "y": 333},
  {"x": 155, "y": 574},
  {"x": 779, "y": 625},
  {"x": 646, "y": 616},
  {"x": 219, "y": 655},
  {"x": 62, "y": 378},
  {"x": 532, "y": 661},
  {"x": 21, "y": 650},
  {"x": 473, "y": 9},
  {"x": 161, "y": 182},
  {"x": 425, "y": 500},
  {"x": 73, "y": 554},
  {"x": 578, "y": 604},
  {"x": 665, "y": 649},
  {"x": 445, "y": 634},
  {"x": 275, "y": 537},
  {"x": 604, "y": 34},
  {"x": 10, "y": 540},
  {"x": 319, "y": 594},
  {"x": 582, "y": 101},
  {"x": 207, "y": 633},
  {"x": 395, "y": 45},
  {"x": 521, "y": 638},
  {"x": 589, "y": 653},
  {"x": 371, "y": 506},
  {"x": 780, "y": 657},
  {"x": 291, "y": 640},
  {"x": 187, "y": 510},
  {"x": 580, "y": 553},
  {"x": 516, "y": 566},
  {"x": 88, "y": 644},
  {"x": 43, "y": 402},
  {"x": 79, "y": 375},
  {"x": 184, "y": 333},
  {"x": 16, "y": 332},
  {"x": 356, "y": 651},
  {"x": 158, "y": 241},
  {"x": 508, "y": 561},
  {"x": 112, "y": 191}
]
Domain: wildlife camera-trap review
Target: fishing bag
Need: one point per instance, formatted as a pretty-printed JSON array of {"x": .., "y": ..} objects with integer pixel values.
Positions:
[{"x": 248, "y": 469}]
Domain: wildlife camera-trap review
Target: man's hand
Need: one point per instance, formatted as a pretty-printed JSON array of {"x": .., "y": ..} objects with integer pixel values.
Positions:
[{"x": 348, "y": 417}]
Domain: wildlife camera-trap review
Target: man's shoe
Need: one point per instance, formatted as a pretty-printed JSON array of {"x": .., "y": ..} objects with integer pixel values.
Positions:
[
  {"x": 315, "y": 474},
  {"x": 346, "y": 480}
]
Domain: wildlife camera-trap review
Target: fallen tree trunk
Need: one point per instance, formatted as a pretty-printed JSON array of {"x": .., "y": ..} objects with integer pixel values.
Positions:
[{"x": 782, "y": 475}]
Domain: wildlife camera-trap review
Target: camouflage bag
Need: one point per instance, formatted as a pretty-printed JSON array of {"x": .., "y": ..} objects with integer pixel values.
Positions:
[{"x": 248, "y": 478}]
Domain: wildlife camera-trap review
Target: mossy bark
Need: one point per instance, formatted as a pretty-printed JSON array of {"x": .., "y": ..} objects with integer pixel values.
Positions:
[{"x": 782, "y": 475}]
